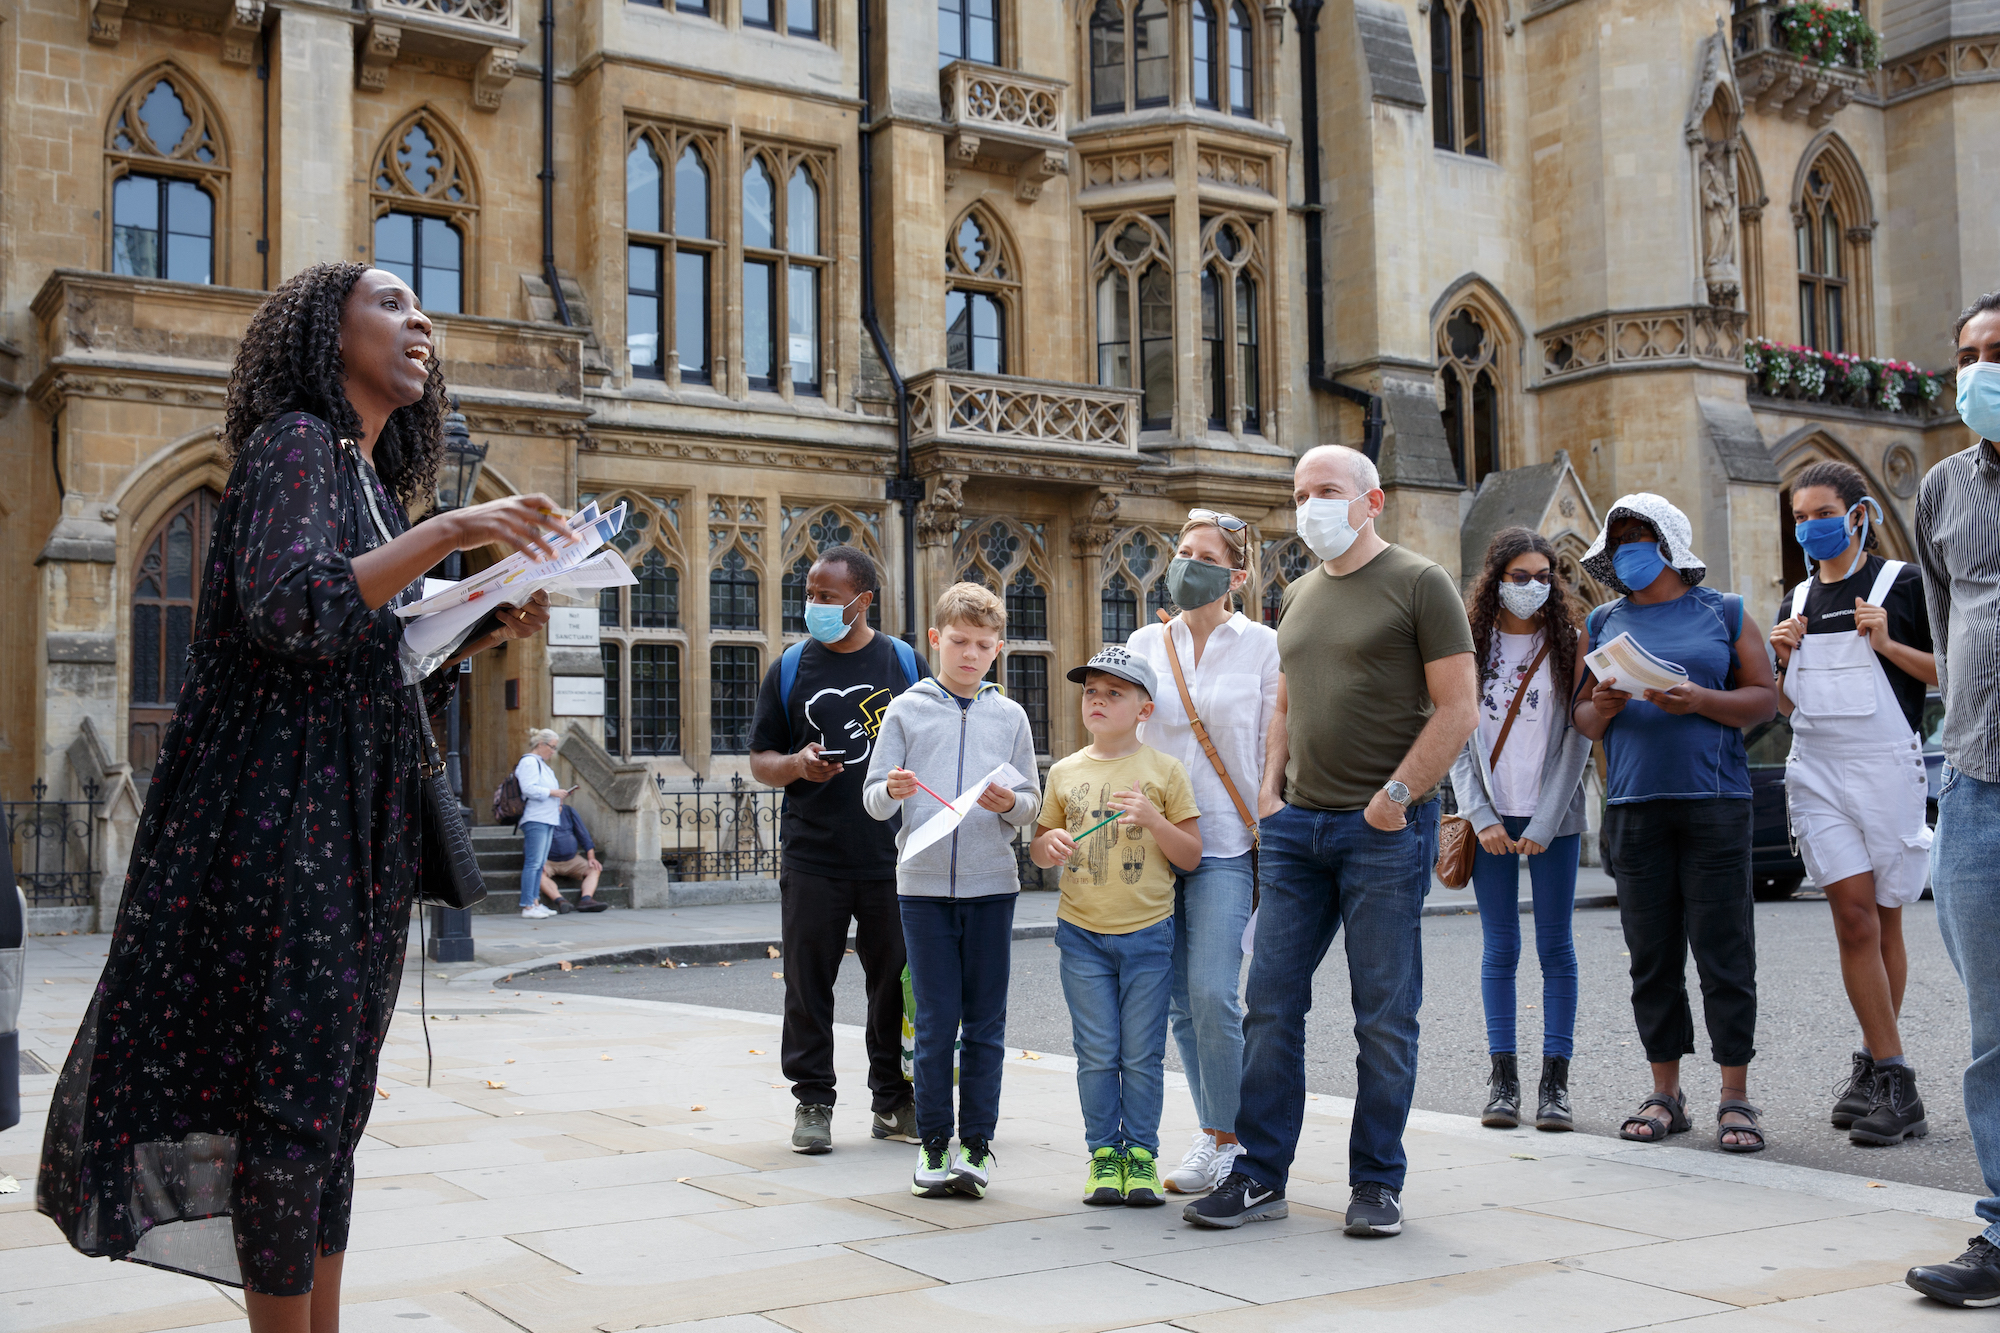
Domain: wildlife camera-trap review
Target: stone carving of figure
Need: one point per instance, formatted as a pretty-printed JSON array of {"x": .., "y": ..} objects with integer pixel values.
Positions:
[{"x": 1718, "y": 217}]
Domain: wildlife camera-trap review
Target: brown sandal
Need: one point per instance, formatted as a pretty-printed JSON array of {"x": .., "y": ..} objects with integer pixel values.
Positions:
[{"x": 1675, "y": 1122}]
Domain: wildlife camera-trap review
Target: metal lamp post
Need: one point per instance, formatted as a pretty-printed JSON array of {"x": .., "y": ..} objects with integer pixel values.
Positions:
[{"x": 458, "y": 474}]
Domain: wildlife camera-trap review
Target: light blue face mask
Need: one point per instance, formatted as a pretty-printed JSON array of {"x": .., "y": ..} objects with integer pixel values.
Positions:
[
  {"x": 828, "y": 623},
  {"x": 1979, "y": 398}
]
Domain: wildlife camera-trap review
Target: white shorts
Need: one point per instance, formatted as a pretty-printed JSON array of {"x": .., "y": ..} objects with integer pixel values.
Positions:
[{"x": 1856, "y": 813}]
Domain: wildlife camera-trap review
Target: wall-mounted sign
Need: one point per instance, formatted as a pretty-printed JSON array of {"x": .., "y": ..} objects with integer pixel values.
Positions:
[
  {"x": 573, "y": 627},
  {"x": 578, "y": 696}
]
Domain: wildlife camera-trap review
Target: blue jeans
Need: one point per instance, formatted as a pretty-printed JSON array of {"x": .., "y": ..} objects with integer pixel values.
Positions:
[
  {"x": 1211, "y": 908},
  {"x": 960, "y": 951},
  {"x": 1322, "y": 870},
  {"x": 1116, "y": 986},
  {"x": 1963, "y": 855},
  {"x": 534, "y": 852},
  {"x": 1496, "y": 882}
]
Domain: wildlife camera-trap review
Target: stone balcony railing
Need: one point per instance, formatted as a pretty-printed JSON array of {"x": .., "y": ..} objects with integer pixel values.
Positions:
[
  {"x": 961, "y": 407},
  {"x": 1005, "y": 122},
  {"x": 1775, "y": 80},
  {"x": 478, "y": 40},
  {"x": 1627, "y": 340}
]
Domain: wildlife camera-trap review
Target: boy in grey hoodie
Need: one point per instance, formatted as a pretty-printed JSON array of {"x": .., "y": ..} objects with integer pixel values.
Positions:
[{"x": 957, "y": 894}]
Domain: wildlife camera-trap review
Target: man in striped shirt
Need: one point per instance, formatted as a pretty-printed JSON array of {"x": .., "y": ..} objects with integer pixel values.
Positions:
[{"x": 1958, "y": 547}]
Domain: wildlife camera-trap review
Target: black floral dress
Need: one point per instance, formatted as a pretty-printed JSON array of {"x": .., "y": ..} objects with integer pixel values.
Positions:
[{"x": 207, "y": 1117}]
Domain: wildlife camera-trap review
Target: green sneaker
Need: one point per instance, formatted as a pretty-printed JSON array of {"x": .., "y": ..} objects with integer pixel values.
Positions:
[
  {"x": 1142, "y": 1179},
  {"x": 1105, "y": 1181}
]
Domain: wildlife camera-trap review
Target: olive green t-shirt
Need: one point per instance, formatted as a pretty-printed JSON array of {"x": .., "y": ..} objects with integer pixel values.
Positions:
[
  {"x": 1353, "y": 649},
  {"x": 1119, "y": 880}
]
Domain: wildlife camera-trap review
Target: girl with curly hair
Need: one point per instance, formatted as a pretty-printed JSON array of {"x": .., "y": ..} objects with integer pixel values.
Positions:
[
  {"x": 1519, "y": 781},
  {"x": 206, "y": 1119}
]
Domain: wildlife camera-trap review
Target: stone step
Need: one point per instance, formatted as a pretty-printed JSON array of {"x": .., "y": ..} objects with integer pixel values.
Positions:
[{"x": 503, "y": 894}]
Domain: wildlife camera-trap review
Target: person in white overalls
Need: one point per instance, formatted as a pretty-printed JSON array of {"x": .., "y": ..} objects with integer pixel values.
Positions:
[{"x": 1853, "y": 646}]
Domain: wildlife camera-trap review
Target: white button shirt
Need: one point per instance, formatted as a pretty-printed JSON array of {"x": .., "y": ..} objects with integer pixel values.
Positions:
[
  {"x": 1235, "y": 688},
  {"x": 538, "y": 786}
]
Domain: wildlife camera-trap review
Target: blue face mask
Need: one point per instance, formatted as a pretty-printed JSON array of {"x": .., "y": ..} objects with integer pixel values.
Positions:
[
  {"x": 1979, "y": 398},
  {"x": 826, "y": 622},
  {"x": 1823, "y": 538},
  {"x": 1637, "y": 564}
]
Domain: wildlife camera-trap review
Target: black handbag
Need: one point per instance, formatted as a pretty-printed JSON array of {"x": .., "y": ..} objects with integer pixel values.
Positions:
[{"x": 448, "y": 874}]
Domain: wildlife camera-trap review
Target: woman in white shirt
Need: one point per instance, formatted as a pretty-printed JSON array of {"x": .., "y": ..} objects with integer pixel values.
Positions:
[
  {"x": 541, "y": 812},
  {"x": 1529, "y": 801},
  {"x": 1231, "y": 666}
]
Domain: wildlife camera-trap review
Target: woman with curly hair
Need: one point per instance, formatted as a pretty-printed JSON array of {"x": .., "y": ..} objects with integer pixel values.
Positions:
[
  {"x": 1519, "y": 781},
  {"x": 207, "y": 1117}
]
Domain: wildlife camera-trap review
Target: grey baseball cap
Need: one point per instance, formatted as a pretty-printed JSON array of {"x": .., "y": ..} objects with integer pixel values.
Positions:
[{"x": 1114, "y": 660}]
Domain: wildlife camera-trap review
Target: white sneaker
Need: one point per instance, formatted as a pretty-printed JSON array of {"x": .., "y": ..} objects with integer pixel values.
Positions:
[
  {"x": 1197, "y": 1170},
  {"x": 535, "y": 913}
]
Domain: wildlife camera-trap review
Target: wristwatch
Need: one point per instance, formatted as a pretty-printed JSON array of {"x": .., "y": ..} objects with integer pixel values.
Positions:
[{"x": 1398, "y": 793}]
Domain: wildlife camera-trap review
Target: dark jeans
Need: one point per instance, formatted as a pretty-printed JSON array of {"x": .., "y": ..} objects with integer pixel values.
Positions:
[
  {"x": 1321, "y": 871},
  {"x": 961, "y": 954},
  {"x": 1683, "y": 872},
  {"x": 813, "y": 929}
]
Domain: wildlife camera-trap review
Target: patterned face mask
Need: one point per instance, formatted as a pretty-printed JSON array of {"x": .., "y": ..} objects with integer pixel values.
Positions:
[{"x": 1524, "y": 599}]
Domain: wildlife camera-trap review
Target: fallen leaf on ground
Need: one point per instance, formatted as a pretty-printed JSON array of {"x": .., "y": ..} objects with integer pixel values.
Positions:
[
  {"x": 47, "y": 982},
  {"x": 1876, "y": 1185},
  {"x": 496, "y": 1082},
  {"x": 777, "y": 976},
  {"x": 722, "y": 965},
  {"x": 520, "y": 1113},
  {"x": 682, "y": 1180},
  {"x": 566, "y": 965},
  {"x": 770, "y": 951},
  {"x": 510, "y": 1059},
  {"x": 697, "y": 1108},
  {"x": 509, "y": 977},
  {"x": 666, "y": 962},
  {"x": 755, "y": 1051},
  {"x": 604, "y": 1057},
  {"x": 382, "y": 1094},
  {"x": 1029, "y": 1055}
]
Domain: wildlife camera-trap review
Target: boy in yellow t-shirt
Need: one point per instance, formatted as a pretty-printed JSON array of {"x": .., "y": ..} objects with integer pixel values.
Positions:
[{"x": 1119, "y": 817}]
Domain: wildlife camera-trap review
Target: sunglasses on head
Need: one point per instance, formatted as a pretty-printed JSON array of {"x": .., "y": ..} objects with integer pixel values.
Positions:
[
  {"x": 1232, "y": 526},
  {"x": 1522, "y": 576}
]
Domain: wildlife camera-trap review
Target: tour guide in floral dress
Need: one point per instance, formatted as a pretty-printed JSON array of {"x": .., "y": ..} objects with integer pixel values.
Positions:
[{"x": 207, "y": 1117}]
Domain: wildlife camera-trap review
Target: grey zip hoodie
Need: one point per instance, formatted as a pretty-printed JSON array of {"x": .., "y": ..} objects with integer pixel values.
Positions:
[{"x": 948, "y": 747}]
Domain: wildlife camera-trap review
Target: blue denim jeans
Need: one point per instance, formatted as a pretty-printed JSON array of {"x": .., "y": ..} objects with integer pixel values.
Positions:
[
  {"x": 1324, "y": 870},
  {"x": 1211, "y": 907},
  {"x": 534, "y": 851},
  {"x": 1116, "y": 986},
  {"x": 1963, "y": 855},
  {"x": 1496, "y": 882},
  {"x": 960, "y": 951}
]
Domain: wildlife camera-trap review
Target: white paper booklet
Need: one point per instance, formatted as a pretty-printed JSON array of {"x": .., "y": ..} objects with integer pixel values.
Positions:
[
  {"x": 1623, "y": 664},
  {"x": 939, "y": 827}
]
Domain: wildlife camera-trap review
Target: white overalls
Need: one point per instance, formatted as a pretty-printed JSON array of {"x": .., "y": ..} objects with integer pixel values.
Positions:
[{"x": 1855, "y": 784}]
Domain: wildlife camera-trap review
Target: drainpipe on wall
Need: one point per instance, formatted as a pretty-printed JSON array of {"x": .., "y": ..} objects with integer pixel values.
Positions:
[
  {"x": 548, "y": 177},
  {"x": 904, "y": 487},
  {"x": 1306, "y": 12}
]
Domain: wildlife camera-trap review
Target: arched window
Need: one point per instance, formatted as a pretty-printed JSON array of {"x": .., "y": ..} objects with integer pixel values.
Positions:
[
  {"x": 980, "y": 296},
  {"x": 783, "y": 270},
  {"x": 1469, "y": 375},
  {"x": 656, "y": 598},
  {"x": 1130, "y": 56},
  {"x": 670, "y": 252},
  {"x": 1132, "y": 269},
  {"x": 732, "y": 593},
  {"x": 968, "y": 30},
  {"x": 1822, "y": 277},
  {"x": 1833, "y": 229},
  {"x": 1134, "y": 575},
  {"x": 1242, "y": 98},
  {"x": 808, "y": 534},
  {"x": 424, "y": 200},
  {"x": 1458, "y": 78},
  {"x": 1285, "y": 560},
  {"x": 166, "y": 593},
  {"x": 165, "y": 156},
  {"x": 642, "y": 639},
  {"x": 1229, "y": 312},
  {"x": 1201, "y": 47}
]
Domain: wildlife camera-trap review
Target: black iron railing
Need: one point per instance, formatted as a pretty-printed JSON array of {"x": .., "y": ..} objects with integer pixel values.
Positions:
[
  {"x": 54, "y": 845},
  {"x": 733, "y": 831}
]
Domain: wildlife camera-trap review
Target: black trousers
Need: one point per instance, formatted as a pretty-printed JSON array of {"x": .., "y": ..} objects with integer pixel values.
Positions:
[
  {"x": 813, "y": 930},
  {"x": 1683, "y": 872}
]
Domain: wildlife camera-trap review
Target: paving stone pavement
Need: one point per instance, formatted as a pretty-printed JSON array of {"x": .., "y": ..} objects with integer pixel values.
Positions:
[{"x": 592, "y": 1165}]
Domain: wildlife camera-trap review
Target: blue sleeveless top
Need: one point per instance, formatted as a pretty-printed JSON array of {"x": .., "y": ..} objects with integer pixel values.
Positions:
[{"x": 1654, "y": 755}]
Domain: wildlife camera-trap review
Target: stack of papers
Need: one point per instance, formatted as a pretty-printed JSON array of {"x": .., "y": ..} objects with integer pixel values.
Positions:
[
  {"x": 939, "y": 827},
  {"x": 449, "y": 610},
  {"x": 1624, "y": 665}
]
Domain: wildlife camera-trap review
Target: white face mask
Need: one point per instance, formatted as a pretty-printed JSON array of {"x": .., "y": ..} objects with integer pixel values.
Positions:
[
  {"x": 1523, "y": 599},
  {"x": 1325, "y": 527}
]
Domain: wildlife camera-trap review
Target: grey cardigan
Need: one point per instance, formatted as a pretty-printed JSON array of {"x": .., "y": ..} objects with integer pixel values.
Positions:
[{"x": 1560, "y": 810}]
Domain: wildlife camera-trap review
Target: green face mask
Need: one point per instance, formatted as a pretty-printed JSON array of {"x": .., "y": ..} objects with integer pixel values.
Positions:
[{"x": 1192, "y": 583}]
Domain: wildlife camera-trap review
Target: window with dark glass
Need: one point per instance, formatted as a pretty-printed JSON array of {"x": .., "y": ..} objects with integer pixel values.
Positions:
[
  {"x": 679, "y": 6},
  {"x": 1107, "y": 58},
  {"x": 1027, "y": 608},
  {"x": 166, "y": 592},
  {"x": 162, "y": 228},
  {"x": 613, "y": 735},
  {"x": 1286, "y": 564},
  {"x": 1131, "y": 50},
  {"x": 759, "y": 14},
  {"x": 656, "y": 698},
  {"x": 1241, "y": 91},
  {"x": 427, "y": 253},
  {"x": 1211, "y": 347},
  {"x": 1028, "y": 686},
  {"x": 1135, "y": 314},
  {"x": 802, "y": 18},
  {"x": 607, "y": 609},
  {"x": 732, "y": 593},
  {"x": 1458, "y": 78},
  {"x": 1469, "y": 370},
  {"x": 792, "y": 597},
  {"x": 975, "y": 336},
  {"x": 968, "y": 30},
  {"x": 1120, "y": 606},
  {"x": 1822, "y": 266},
  {"x": 1201, "y": 47},
  {"x": 670, "y": 256},
  {"x": 783, "y": 276},
  {"x": 656, "y": 598},
  {"x": 1229, "y": 364},
  {"x": 982, "y": 285},
  {"x": 732, "y": 697}
]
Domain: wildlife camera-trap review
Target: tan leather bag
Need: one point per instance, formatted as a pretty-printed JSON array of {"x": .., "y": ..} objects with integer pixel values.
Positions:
[{"x": 1457, "y": 839}]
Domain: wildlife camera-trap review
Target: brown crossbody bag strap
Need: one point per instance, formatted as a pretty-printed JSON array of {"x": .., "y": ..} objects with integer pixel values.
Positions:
[
  {"x": 1201, "y": 732},
  {"x": 1514, "y": 709}
]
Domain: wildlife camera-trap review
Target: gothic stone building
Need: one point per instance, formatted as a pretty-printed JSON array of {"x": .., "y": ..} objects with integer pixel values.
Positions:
[{"x": 1127, "y": 257}]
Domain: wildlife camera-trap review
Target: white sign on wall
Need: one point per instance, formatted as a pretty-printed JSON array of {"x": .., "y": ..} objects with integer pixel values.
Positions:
[
  {"x": 578, "y": 696},
  {"x": 573, "y": 627}
]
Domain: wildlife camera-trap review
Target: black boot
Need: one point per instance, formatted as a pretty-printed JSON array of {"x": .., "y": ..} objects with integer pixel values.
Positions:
[
  {"x": 1853, "y": 1097},
  {"x": 1503, "y": 1110},
  {"x": 1897, "y": 1112},
  {"x": 1553, "y": 1113}
]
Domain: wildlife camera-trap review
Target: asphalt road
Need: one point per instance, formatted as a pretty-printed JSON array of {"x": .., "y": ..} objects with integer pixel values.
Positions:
[{"x": 1805, "y": 1031}]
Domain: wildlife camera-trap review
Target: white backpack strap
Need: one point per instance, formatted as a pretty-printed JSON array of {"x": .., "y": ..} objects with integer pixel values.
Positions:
[
  {"x": 1883, "y": 581},
  {"x": 1799, "y": 597}
]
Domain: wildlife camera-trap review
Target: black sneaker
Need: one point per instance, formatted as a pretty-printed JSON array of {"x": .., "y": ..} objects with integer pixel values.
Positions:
[
  {"x": 1374, "y": 1210},
  {"x": 1854, "y": 1095},
  {"x": 1238, "y": 1199},
  {"x": 1897, "y": 1112},
  {"x": 1972, "y": 1279}
]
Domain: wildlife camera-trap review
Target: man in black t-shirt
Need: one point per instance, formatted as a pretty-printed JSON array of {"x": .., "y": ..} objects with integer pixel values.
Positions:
[{"x": 818, "y": 712}]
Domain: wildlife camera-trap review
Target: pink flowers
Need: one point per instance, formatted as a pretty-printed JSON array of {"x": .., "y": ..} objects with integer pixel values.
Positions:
[{"x": 1787, "y": 370}]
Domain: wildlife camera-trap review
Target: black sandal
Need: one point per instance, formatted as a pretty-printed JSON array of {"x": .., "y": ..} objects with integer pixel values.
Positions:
[
  {"x": 1675, "y": 1122},
  {"x": 1723, "y": 1130}
]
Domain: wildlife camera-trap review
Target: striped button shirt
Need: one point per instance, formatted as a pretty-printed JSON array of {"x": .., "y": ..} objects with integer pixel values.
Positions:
[{"x": 1958, "y": 548}]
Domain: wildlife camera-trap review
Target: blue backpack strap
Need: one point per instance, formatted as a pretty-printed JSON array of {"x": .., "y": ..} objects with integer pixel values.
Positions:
[
  {"x": 788, "y": 676},
  {"x": 906, "y": 657}
]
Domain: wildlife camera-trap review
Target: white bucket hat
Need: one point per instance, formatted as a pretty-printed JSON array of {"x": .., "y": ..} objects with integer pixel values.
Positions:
[{"x": 1664, "y": 518}]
